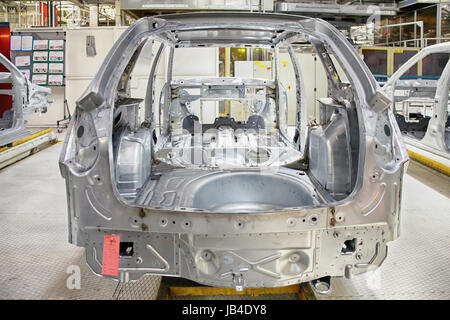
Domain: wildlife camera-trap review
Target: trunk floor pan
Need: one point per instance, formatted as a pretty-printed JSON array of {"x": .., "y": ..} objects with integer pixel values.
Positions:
[{"x": 228, "y": 190}]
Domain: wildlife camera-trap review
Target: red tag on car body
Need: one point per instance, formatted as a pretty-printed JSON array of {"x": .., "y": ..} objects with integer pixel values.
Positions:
[{"x": 110, "y": 260}]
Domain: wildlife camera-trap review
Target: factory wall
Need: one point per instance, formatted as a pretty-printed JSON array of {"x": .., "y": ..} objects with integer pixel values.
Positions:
[{"x": 188, "y": 62}]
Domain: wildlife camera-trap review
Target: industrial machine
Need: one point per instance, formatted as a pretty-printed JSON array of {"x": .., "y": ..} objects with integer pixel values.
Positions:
[{"x": 165, "y": 185}]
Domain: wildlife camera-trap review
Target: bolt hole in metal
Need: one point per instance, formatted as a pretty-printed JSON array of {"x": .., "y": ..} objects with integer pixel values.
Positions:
[
  {"x": 207, "y": 262},
  {"x": 250, "y": 192},
  {"x": 313, "y": 219},
  {"x": 97, "y": 179},
  {"x": 322, "y": 285},
  {"x": 80, "y": 131},
  {"x": 349, "y": 246},
  {"x": 126, "y": 249},
  {"x": 387, "y": 130},
  {"x": 186, "y": 224}
]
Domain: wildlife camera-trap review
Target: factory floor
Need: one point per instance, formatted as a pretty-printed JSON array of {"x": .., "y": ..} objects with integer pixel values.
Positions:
[{"x": 36, "y": 259}]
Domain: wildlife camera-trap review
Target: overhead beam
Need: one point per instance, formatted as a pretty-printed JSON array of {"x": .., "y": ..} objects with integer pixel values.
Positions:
[
  {"x": 385, "y": 9},
  {"x": 414, "y": 4}
]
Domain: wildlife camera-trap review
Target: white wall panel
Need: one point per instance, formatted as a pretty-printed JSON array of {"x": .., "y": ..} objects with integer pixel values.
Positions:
[
  {"x": 79, "y": 64},
  {"x": 80, "y": 70},
  {"x": 315, "y": 82},
  {"x": 197, "y": 62}
]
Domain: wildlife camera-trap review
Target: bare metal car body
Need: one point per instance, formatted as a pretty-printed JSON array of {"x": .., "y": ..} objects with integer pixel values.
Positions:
[
  {"x": 421, "y": 106},
  {"x": 26, "y": 98},
  {"x": 234, "y": 204}
]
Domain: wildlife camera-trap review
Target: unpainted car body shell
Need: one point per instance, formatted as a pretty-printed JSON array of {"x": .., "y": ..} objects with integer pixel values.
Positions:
[
  {"x": 434, "y": 139},
  {"x": 264, "y": 248},
  {"x": 27, "y": 98}
]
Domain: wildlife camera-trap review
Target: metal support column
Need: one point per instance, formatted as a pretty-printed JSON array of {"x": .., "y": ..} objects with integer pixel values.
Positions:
[
  {"x": 438, "y": 22},
  {"x": 118, "y": 11}
]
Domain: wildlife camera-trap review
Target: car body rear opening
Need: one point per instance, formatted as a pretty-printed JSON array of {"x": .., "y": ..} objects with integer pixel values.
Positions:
[{"x": 227, "y": 180}]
